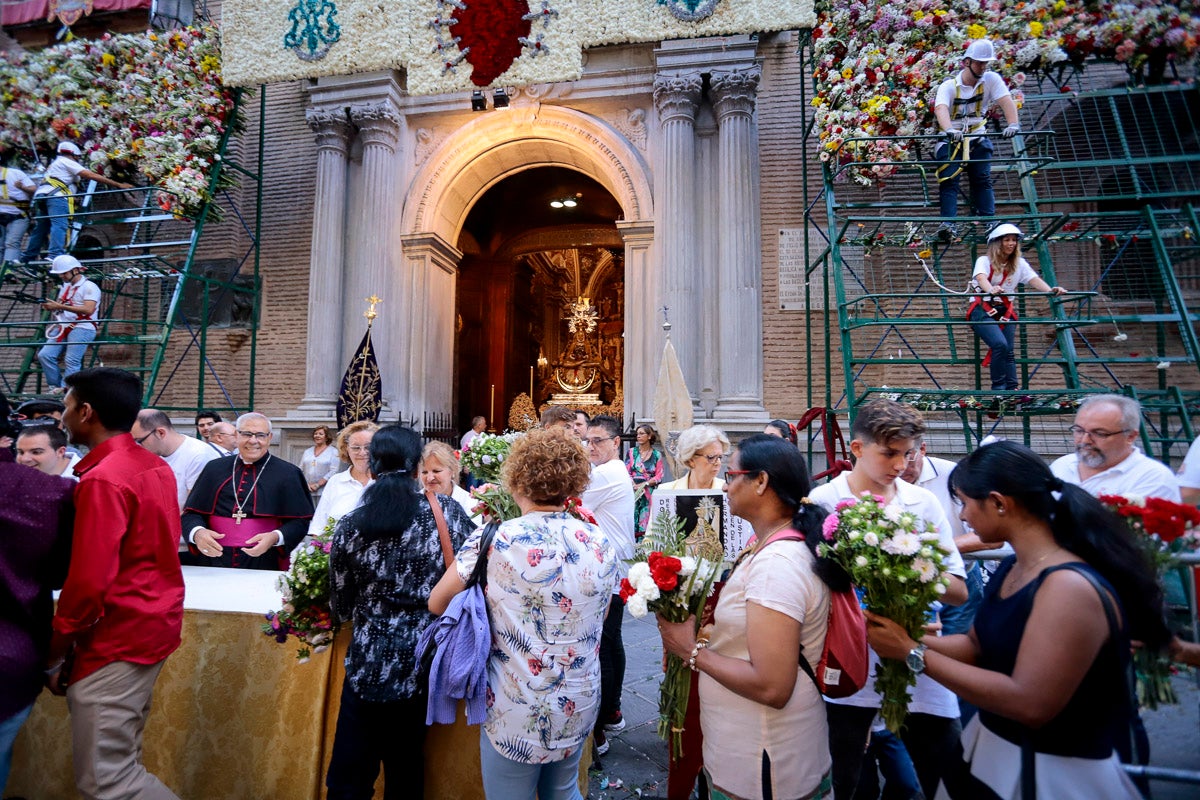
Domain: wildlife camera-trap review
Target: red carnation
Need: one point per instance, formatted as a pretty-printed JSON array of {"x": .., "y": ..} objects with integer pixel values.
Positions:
[{"x": 627, "y": 590}]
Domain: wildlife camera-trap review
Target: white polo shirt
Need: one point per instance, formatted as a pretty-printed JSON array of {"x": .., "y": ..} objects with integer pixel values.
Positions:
[
  {"x": 1138, "y": 475},
  {"x": 1189, "y": 470},
  {"x": 929, "y": 696},
  {"x": 609, "y": 496}
]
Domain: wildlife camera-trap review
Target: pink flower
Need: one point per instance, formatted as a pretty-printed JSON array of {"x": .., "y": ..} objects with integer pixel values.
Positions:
[{"x": 829, "y": 526}]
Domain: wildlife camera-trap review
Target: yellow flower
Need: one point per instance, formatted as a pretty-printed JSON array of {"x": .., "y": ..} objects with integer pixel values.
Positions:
[
  {"x": 976, "y": 31},
  {"x": 925, "y": 254},
  {"x": 1060, "y": 6},
  {"x": 847, "y": 73},
  {"x": 1035, "y": 29},
  {"x": 918, "y": 15},
  {"x": 108, "y": 59}
]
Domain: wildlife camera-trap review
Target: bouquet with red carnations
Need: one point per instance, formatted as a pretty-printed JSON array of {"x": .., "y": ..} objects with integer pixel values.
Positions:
[
  {"x": 305, "y": 588},
  {"x": 1163, "y": 529},
  {"x": 664, "y": 580}
]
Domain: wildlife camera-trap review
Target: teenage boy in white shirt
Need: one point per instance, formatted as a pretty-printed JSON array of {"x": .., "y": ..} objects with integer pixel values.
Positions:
[{"x": 886, "y": 438}]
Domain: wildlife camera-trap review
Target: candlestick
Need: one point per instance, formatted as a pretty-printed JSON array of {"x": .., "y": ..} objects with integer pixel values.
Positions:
[{"x": 492, "y": 407}]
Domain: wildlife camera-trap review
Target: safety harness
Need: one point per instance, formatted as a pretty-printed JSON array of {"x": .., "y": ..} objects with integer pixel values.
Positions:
[
  {"x": 67, "y": 298},
  {"x": 999, "y": 307},
  {"x": 969, "y": 111},
  {"x": 4, "y": 198}
]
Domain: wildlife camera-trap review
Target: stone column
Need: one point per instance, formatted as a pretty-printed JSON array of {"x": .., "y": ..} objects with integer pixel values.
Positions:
[
  {"x": 643, "y": 331},
  {"x": 739, "y": 248},
  {"x": 677, "y": 97},
  {"x": 332, "y": 129},
  {"x": 432, "y": 266},
  {"x": 378, "y": 268}
]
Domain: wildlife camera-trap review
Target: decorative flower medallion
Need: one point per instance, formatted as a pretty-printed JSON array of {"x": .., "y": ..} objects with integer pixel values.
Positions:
[
  {"x": 314, "y": 30},
  {"x": 68, "y": 11},
  {"x": 488, "y": 34},
  {"x": 690, "y": 10}
]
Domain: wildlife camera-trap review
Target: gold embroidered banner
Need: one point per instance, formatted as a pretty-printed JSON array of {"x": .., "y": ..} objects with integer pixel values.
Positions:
[{"x": 452, "y": 45}]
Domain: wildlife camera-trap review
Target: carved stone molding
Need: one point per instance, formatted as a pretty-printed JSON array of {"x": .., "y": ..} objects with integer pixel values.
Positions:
[
  {"x": 735, "y": 92},
  {"x": 426, "y": 142},
  {"x": 677, "y": 96},
  {"x": 378, "y": 124},
  {"x": 632, "y": 123},
  {"x": 332, "y": 128}
]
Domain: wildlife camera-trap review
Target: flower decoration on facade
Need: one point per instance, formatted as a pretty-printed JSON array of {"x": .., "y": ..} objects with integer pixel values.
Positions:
[
  {"x": 690, "y": 10},
  {"x": 150, "y": 108},
  {"x": 488, "y": 34},
  {"x": 314, "y": 29},
  {"x": 878, "y": 63}
]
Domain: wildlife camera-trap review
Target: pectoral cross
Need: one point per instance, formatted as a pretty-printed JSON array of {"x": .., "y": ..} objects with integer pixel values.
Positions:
[{"x": 238, "y": 515}]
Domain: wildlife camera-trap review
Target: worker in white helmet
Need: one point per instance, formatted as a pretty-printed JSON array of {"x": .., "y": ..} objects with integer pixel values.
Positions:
[{"x": 961, "y": 109}]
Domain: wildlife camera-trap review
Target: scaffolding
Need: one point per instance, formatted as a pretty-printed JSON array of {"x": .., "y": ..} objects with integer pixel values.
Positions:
[
  {"x": 1104, "y": 181},
  {"x": 163, "y": 291}
]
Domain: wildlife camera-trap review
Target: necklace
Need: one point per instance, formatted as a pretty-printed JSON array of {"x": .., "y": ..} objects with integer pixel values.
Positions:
[
  {"x": 238, "y": 513},
  {"x": 1027, "y": 571},
  {"x": 760, "y": 541}
]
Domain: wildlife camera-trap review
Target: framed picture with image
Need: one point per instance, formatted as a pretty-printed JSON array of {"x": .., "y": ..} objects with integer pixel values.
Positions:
[{"x": 712, "y": 531}]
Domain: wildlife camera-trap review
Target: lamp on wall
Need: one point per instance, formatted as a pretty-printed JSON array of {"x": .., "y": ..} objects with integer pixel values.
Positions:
[
  {"x": 478, "y": 101},
  {"x": 500, "y": 99}
]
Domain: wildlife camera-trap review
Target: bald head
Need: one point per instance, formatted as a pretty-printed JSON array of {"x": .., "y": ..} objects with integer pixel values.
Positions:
[{"x": 223, "y": 435}]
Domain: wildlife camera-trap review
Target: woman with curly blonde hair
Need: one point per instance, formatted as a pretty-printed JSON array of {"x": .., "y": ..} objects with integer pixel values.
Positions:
[
  {"x": 549, "y": 578},
  {"x": 345, "y": 489}
]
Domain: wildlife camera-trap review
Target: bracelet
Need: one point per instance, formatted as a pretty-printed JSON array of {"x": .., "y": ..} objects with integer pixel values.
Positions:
[{"x": 701, "y": 644}]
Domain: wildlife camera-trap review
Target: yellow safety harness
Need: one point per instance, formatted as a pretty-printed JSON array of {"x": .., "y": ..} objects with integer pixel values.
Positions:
[
  {"x": 960, "y": 151},
  {"x": 66, "y": 191},
  {"x": 4, "y": 198}
]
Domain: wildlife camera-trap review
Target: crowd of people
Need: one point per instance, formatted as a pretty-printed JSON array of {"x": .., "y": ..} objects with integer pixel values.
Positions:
[{"x": 1015, "y": 676}]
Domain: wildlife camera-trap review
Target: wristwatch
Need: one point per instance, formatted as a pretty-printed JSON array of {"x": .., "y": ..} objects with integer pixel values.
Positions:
[{"x": 916, "y": 659}]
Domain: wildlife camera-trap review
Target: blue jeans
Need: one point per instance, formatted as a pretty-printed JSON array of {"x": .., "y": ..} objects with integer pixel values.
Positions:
[
  {"x": 1003, "y": 365},
  {"x": 8, "y": 734},
  {"x": 14, "y": 231},
  {"x": 505, "y": 779},
  {"x": 75, "y": 344},
  {"x": 979, "y": 173},
  {"x": 899, "y": 776},
  {"x": 958, "y": 619},
  {"x": 53, "y": 220}
]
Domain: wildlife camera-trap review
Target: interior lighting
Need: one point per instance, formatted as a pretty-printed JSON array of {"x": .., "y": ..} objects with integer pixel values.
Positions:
[
  {"x": 478, "y": 101},
  {"x": 556, "y": 203},
  {"x": 500, "y": 99}
]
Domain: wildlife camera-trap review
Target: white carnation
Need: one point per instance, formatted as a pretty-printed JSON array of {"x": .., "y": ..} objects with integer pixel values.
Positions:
[
  {"x": 648, "y": 591},
  {"x": 871, "y": 539},
  {"x": 637, "y": 606},
  {"x": 687, "y": 566},
  {"x": 638, "y": 572},
  {"x": 861, "y": 561}
]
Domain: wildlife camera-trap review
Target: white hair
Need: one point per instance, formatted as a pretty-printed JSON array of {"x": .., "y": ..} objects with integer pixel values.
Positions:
[
  {"x": 249, "y": 415},
  {"x": 1131, "y": 410},
  {"x": 697, "y": 438}
]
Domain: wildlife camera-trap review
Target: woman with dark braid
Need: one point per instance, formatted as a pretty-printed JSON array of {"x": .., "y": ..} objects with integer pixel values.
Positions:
[{"x": 1043, "y": 662}]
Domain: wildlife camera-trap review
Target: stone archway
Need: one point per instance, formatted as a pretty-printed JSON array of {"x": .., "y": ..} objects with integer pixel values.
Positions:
[{"x": 461, "y": 170}]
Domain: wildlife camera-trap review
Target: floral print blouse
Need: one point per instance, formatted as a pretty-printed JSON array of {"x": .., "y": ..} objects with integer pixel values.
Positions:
[
  {"x": 383, "y": 588},
  {"x": 550, "y": 577}
]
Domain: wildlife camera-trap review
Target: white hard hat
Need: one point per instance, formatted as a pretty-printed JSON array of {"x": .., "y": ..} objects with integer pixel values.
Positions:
[
  {"x": 64, "y": 263},
  {"x": 1004, "y": 229},
  {"x": 69, "y": 147},
  {"x": 981, "y": 50}
]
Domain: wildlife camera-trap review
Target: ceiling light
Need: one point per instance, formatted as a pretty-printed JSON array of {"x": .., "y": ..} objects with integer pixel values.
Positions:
[
  {"x": 500, "y": 99},
  {"x": 570, "y": 202},
  {"x": 478, "y": 101},
  {"x": 556, "y": 203}
]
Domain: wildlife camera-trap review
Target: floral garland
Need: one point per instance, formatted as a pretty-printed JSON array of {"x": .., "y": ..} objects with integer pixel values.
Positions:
[
  {"x": 148, "y": 108},
  {"x": 878, "y": 63}
]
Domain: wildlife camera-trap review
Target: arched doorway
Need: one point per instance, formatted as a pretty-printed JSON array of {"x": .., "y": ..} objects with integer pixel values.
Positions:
[{"x": 540, "y": 296}]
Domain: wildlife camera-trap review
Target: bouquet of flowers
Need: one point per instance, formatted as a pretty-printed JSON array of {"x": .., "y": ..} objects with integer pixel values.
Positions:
[
  {"x": 1163, "y": 529},
  {"x": 495, "y": 504},
  {"x": 664, "y": 580},
  {"x": 484, "y": 456},
  {"x": 894, "y": 559},
  {"x": 305, "y": 588}
]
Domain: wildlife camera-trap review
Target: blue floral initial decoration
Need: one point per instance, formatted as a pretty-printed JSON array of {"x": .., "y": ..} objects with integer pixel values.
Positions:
[{"x": 314, "y": 30}]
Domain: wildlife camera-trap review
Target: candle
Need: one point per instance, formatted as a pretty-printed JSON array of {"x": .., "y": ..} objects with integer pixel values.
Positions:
[
  {"x": 492, "y": 407},
  {"x": 531, "y": 382}
]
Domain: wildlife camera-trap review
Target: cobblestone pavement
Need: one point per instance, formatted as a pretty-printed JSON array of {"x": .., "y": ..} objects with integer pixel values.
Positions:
[{"x": 636, "y": 764}]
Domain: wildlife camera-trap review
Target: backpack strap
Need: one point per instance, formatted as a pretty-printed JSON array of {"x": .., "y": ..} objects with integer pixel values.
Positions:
[{"x": 479, "y": 573}]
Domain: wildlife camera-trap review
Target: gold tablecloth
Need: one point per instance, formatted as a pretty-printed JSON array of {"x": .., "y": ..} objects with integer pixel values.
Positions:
[{"x": 235, "y": 717}]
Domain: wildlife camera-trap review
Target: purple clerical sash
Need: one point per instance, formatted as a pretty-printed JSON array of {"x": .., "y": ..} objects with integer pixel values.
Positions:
[{"x": 238, "y": 533}]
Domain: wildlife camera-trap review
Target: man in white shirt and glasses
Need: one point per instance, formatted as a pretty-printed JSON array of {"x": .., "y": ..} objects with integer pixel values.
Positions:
[{"x": 1106, "y": 460}]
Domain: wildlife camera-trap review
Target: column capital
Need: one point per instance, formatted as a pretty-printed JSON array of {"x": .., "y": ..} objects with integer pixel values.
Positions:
[
  {"x": 677, "y": 96},
  {"x": 378, "y": 124},
  {"x": 331, "y": 126},
  {"x": 735, "y": 91}
]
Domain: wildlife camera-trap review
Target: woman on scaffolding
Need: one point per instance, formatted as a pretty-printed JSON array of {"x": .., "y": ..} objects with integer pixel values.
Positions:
[{"x": 995, "y": 277}]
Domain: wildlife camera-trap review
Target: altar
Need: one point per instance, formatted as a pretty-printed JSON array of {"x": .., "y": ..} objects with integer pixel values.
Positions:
[{"x": 235, "y": 716}]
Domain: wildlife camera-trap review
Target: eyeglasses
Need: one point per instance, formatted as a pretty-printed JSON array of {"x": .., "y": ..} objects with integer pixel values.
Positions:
[
  {"x": 142, "y": 440},
  {"x": 1099, "y": 436},
  {"x": 359, "y": 448},
  {"x": 717, "y": 459},
  {"x": 596, "y": 441},
  {"x": 262, "y": 436},
  {"x": 730, "y": 474}
]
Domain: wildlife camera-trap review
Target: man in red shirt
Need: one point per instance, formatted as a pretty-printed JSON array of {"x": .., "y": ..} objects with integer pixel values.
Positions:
[{"x": 121, "y": 609}]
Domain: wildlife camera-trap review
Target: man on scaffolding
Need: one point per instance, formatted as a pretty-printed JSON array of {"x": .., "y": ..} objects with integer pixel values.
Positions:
[
  {"x": 961, "y": 110},
  {"x": 54, "y": 202}
]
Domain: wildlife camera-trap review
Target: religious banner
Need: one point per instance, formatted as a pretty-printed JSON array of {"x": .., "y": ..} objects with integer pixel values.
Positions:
[
  {"x": 452, "y": 45},
  {"x": 713, "y": 532},
  {"x": 68, "y": 12},
  {"x": 361, "y": 394}
]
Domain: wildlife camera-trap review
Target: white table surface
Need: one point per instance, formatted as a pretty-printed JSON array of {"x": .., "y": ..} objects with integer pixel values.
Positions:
[{"x": 247, "y": 591}]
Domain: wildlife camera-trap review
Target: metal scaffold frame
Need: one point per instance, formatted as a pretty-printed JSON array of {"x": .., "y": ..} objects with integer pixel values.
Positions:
[
  {"x": 155, "y": 281},
  {"x": 1104, "y": 182}
]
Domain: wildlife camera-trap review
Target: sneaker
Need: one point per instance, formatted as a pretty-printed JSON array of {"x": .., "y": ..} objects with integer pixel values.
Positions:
[
  {"x": 615, "y": 724},
  {"x": 946, "y": 233},
  {"x": 601, "y": 743}
]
